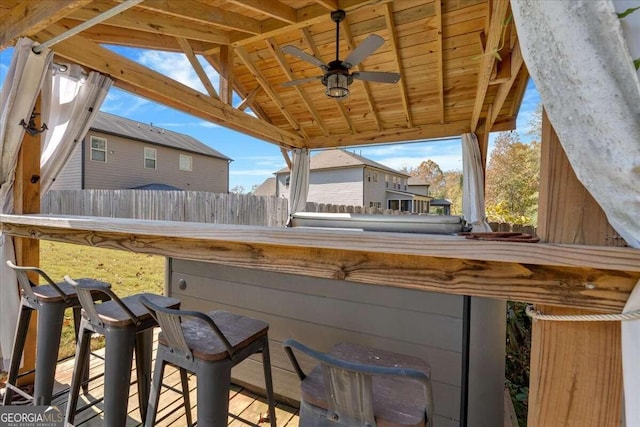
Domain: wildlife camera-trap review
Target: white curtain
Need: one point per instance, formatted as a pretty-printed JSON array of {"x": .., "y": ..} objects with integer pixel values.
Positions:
[
  {"x": 19, "y": 93},
  {"x": 299, "y": 181},
  {"x": 70, "y": 102},
  {"x": 473, "y": 184},
  {"x": 578, "y": 56}
]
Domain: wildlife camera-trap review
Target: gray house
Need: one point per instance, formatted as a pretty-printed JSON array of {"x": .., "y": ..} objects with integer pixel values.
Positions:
[
  {"x": 344, "y": 178},
  {"x": 118, "y": 153}
]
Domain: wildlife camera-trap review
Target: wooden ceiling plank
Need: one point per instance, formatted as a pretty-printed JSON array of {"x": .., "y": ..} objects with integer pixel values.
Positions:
[
  {"x": 244, "y": 56},
  {"x": 282, "y": 61},
  {"x": 240, "y": 89},
  {"x": 393, "y": 40},
  {"x": 392, "y": 135},
  {"x": 440, "y": 50},
  {"x": 348, "y": 36},
  {"x": 308, "y": 38},
  {"x": 205, "y": 14},
  {"x": 197, "y": 67},
  {"x": 305, "y": 17},
  {"x": 159, "y": 88},
  {"x": 272, "y": 8},
  {"x": 329, "y": 4},
  {"x": 496, "y": 25},
  {"x": 246, "y": 102},
  {"x": 517, "y": 61},
  {"x": 34, "y": 16},
  {"x": 226, "y": 74},
  {"x": 144, "y": 20}
]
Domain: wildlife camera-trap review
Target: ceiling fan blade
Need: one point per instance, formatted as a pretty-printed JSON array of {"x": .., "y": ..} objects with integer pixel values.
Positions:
[
  {"x": 300, "y": 81},
  {"x": 366, "y": 48},
  {"x": 375, "y": 76},
  {"x": 301, "y": 54}
]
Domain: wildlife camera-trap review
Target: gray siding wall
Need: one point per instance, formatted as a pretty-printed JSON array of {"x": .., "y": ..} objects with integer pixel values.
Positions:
[
  {"x": 336, "y": 186},
  {"x": 124, "y": 167},
  {"x": 322, "y": 312},
  {"x": 374, "y": 190},
  {"x": 70, "y": 177}
]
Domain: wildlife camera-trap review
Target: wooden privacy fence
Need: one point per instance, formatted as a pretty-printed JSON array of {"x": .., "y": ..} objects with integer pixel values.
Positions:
[{"x": 196, "y": 206}]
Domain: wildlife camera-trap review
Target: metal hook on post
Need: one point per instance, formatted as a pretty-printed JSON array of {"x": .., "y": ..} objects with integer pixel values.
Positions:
[{"x": 31, "y": 128}]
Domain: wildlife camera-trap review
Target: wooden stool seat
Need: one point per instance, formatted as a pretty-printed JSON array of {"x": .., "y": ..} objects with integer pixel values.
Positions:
[
  {"x": 112, "y": 314},
  {"x": 359, "y": 385},
  {"x": 47, "y": 293}
]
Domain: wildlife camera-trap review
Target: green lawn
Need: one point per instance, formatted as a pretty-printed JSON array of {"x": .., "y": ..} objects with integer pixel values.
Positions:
[{"x": 128, "y": 273}]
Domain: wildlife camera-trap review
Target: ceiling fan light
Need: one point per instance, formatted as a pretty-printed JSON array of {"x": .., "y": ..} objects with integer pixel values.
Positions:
[{"x": 337, "y": 86}]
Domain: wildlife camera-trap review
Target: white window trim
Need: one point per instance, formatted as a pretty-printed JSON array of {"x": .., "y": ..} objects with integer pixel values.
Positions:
[
  {"x": 97, "y": 149},
  {"x": 185, "y": 156},
  {"x": 154, "y": 158}
]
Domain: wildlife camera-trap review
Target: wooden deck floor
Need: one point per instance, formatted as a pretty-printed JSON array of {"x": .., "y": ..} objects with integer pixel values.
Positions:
[{"x": 245, "y": 407}]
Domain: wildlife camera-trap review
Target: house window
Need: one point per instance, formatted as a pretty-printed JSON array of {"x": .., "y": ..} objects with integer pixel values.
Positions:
[
  {"x": 98, "y": 149},
  {"x": 373, "y": 177},
  {"x": 287, "y": 180},
  {"x": 186, "y": 163},
  {"x": 150, "y": 155},
  {"x": 375, "y": 205},
  {"x": 394, "y": 205}
]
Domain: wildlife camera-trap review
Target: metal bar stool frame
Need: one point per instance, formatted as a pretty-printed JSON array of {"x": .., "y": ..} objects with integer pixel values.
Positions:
[
  {"x": 133, "y": 333},
  {"x": 348, "y": 389},
  {"x": 214, "y": 377},
  {"x": 50, "y": 301}
]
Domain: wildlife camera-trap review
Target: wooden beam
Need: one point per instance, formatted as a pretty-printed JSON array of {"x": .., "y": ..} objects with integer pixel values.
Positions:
[
  {"x": 266, "y": 86},
  {"x": 287, "y": 159},
  {"x": 308, "y": 38},
  {"x": 348, "y": 36},
  {"x": 272, "y": 8},
  {"x": 392, "y": 135},
  {"x": 304, "y": 17},
  {"x": 29, "y": 17},
  {"x": 439, "y": 52},
  {"x": 275, "y": 50},
  {"x": 197, "y": 67},
  {"x": 393, "y": 39},
  {"x": 569, "y": 275},
  {"x": 576, "y": 372},
  {"x": 329, "y": 4},
  {"x": 488, "y": 59},
  {"x": 26, "y": 200},
  {"x": 516, "y": 63},
  {"x": 144, "y": 20},
  {"x": 150, "y": 84},
  {"x": 226, "y": 74},
  {"x": 205, "y": 14},
  {"x": 249, "y": 98}
]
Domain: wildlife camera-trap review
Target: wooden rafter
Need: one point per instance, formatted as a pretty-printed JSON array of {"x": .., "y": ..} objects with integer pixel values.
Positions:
[
  {"x": 248, "y": 62},
  {"x": 34, "y": 17},
  {"x": 440, "y": 65},
  {"x": 305, "y": 17},
  {"x": 272, "y": 8},
  {"x": 286, "y": 157},
  {"x": 488, "y": 60},
  {"x": 246, "y": 102},
  {"x": 391, "y": 135},
  {"x": 139, "y": 19},
  {"x": 308, "y": 38},
  {"x": 329, "y": 4},
  {"x": 203, "y": 13},
  {"x": 284, "y": 66},
  {"x": 348, "y": 36},
  {"x": 516, "y": 63},
  {"x": 197, "y": 67},
  {"x": 393, "y": 39},
  {"x": 226, "y": 74},
  {"x": 141, "y": 80}
]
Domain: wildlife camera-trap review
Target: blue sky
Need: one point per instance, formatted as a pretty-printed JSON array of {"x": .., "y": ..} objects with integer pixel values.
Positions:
[{"x": 255, "y": 160}]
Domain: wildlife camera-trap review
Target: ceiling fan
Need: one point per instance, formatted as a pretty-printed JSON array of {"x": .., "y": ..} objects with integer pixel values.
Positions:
[{"x": 337, "y": 77}]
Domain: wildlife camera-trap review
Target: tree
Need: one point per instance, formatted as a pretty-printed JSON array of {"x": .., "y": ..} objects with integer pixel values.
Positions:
[
  {"x": 430, "y": 171},
  {"x": 238, "y": 189},
  {"x": 512, "y": 180}
]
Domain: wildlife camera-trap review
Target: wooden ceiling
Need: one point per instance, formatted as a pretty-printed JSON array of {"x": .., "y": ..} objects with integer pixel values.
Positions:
[{"x": 460, "y": 62}]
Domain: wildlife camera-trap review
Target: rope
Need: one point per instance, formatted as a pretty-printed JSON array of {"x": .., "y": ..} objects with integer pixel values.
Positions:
[{"x": 537, "y": 315}]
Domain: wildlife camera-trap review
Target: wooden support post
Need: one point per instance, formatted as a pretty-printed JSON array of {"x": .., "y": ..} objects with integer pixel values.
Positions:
[
  {"x": 226, "y": 74},
  {"x": 576, "y": 370},
  {"x": 26, "y": 195}
]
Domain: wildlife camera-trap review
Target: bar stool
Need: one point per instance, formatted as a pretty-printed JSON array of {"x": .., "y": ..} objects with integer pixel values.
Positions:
[
  {"x": 208, "y": 345},
  {"x": 50, "y": 301},
  {"x": 126, "y": 325},
  {"x": 361, "y": 386}
]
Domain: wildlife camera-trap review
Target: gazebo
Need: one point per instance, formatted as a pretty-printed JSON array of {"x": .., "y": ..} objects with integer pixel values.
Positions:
[{"x": 461, "y": 68}]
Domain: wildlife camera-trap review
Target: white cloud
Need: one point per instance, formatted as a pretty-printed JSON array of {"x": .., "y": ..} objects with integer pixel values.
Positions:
[
  {"x": 177, "y": 67},
  {"x": 201, "y": 123},
  {"x": 122, "y": 103}
]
